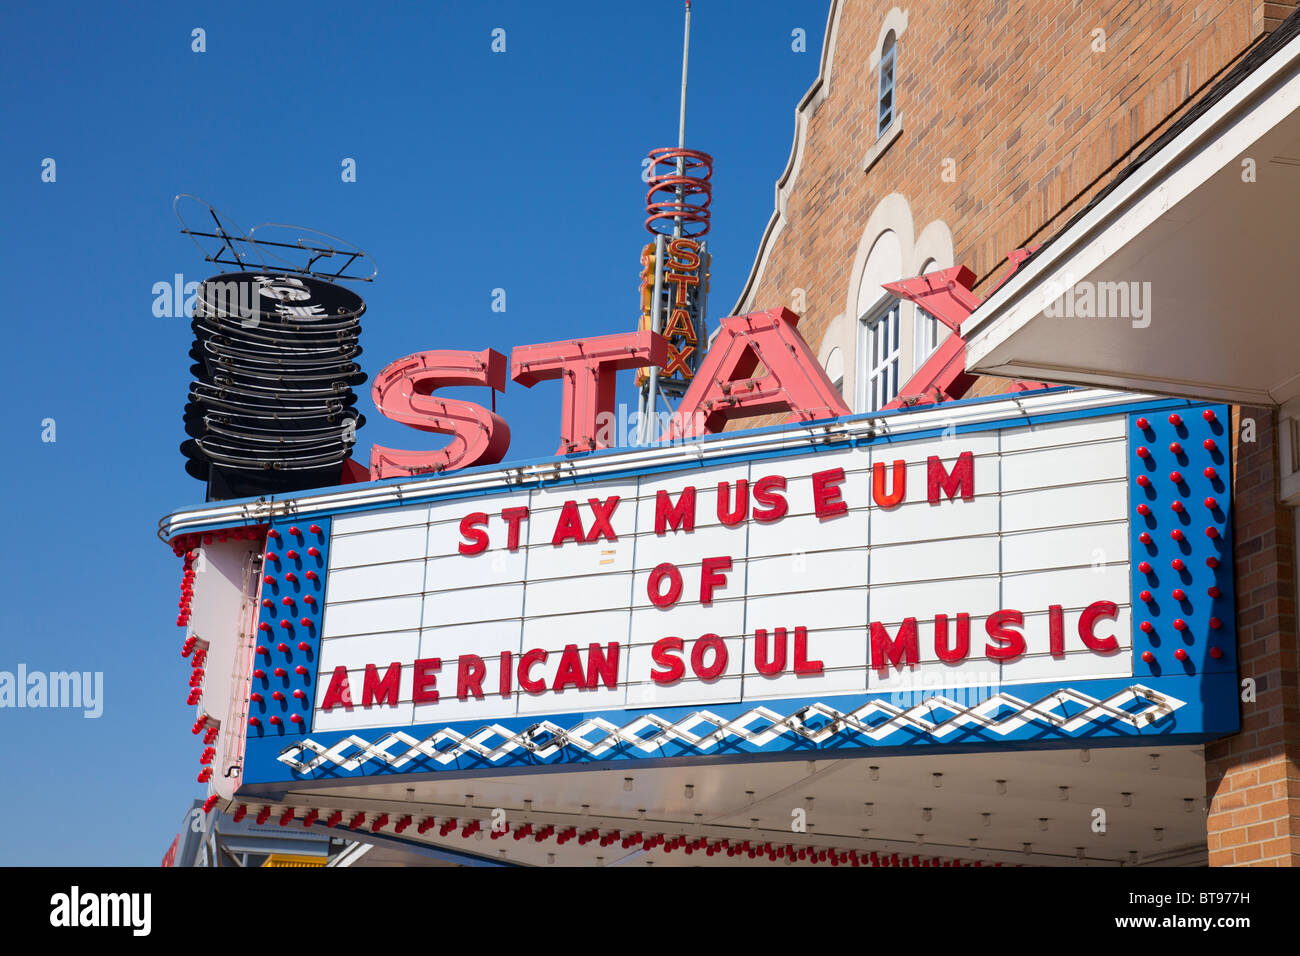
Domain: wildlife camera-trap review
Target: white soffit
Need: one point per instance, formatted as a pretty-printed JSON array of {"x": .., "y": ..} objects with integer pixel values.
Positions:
[{"x": 1212, "y": 256}]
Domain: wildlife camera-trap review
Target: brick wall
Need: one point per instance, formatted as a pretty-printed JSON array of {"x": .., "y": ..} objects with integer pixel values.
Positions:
[
  {"x": 1253, "y": 778},
  {"x": 1035, "y": 119}
]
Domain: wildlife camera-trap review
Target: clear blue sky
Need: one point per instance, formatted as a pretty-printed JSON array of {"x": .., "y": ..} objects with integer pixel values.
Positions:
[{"x": 475, "y": 171}]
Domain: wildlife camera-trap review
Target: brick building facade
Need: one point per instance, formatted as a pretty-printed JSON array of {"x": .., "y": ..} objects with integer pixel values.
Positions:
[{"x": 939, "y": 136}]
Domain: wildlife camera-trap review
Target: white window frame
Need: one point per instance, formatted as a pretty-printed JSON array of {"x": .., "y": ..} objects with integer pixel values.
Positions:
[
  {"x": 887, "y": 85},
  {"x": 928, "y": 332},
  {"x": 879, "y": 359}
]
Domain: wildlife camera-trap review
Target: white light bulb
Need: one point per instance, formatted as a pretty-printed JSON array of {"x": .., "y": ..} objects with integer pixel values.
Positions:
[
  {"x": 875, "y": 773},
  {"x": 690, "y": 791},
  {"x": 627, "y": 784}
]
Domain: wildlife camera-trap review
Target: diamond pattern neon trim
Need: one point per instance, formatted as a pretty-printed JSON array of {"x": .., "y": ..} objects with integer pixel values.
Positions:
[{"x": 545, "y": 739}]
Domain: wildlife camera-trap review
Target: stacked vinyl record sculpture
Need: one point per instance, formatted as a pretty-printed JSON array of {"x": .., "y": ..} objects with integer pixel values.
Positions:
[{"x": 271, "y": 409}]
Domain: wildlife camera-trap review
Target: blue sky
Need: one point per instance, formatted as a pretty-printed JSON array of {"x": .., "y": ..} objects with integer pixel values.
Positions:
[{"x": 475, "y": 170}]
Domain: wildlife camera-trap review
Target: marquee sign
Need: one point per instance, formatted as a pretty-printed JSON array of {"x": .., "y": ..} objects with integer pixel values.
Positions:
[{"x": 1047, "y": 570}]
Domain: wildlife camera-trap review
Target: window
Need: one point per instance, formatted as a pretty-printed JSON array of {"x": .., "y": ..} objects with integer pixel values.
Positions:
[
  {"x": 879, "y": 363},
  {"x": 928, "y": 333},
  {"x": 885, "y": 101}
]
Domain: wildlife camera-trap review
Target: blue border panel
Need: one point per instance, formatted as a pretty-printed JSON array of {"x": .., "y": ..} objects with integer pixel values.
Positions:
[
  {"x": 288, "y": 629},
  {"x": 1182, "y": 600},
  {"x": 1180, "y": 492}
]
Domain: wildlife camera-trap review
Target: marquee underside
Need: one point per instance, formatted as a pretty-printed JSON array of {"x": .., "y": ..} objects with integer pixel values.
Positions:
[{"x": 1165, "y": 823}]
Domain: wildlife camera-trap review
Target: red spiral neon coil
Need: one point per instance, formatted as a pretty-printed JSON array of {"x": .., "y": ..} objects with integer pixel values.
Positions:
[{"x": 664, "y": 207}]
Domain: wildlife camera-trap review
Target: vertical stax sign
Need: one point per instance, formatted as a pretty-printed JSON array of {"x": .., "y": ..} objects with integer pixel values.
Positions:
[{"x": 724, "y": 387}]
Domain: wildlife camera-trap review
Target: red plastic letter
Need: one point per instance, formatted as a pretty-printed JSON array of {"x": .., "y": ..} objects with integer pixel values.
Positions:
[
  {"x": 827, "y": 500},
  {"x": 526, "y": 662},
  {"x": 801, "y": 663},
  {"x": 711, "y": 576},
  {"x": 680, "y": 515},
  {"x": 896, "y": 651},
  {"x": 768, "y": 666},
  {"x": 961, "y": 478},
  {"x": 512, "y": 518},
  {"x": 338, "y": 691},
  {"x": 942, "y": 649},
  {"x": 672, "y": 665},
  {"x": 375, "y": 690},
  {"x": 713, "y": 671},
  {"x": 1056, "y": 630},
  {"x": 659, "y": 597},
  {"x": 1091, "y": 614},
  {"x": 888, "y": 499},
  {"x": 425, "y": 676},
  {"x": 1010, "y": 643},
  {"x": 767, "y": 493},
  {"x": 477, "y": 538},
  {"x": 469, "y": 677},
  {"x": 602, "y": 665}
]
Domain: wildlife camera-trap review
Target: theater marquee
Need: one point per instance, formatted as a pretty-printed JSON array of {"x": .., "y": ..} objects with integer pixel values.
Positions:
[{"x": 1044, "y": 570}]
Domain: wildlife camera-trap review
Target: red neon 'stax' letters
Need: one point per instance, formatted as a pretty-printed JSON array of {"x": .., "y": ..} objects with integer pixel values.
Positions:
[{"x": 403, "y": 391}]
